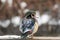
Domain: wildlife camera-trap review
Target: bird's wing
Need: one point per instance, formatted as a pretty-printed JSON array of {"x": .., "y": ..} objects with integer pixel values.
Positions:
[{"x": 35, "y": 28}]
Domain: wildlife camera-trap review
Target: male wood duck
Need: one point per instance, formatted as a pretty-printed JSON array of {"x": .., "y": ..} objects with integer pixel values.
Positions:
[{"x": 29, "y": 25}]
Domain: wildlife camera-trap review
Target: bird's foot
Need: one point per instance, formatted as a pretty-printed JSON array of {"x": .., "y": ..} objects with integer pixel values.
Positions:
[{"x": 30, "y": 36}]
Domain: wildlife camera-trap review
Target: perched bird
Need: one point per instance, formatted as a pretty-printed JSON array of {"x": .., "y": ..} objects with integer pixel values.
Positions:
[
  {"x": 32, "y": 20},
  {"x": 29, "y": 25}
]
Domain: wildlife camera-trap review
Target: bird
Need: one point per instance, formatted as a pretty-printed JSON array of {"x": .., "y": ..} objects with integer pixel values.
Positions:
[
  {"x": 38, "y": 21},
  {"x": 29, "y": 25}
]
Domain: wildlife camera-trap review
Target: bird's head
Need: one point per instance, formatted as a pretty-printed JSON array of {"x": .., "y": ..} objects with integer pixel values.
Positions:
[{"x": 30, "y": 14}]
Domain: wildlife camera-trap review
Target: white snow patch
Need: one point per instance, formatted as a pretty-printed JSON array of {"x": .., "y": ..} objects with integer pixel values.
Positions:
[
  {"x": 55, "y": 6},
  {"x": 15, "y": 21},
  {"x": 10, "y": 2},
  {"x": 25, "y": 11},
  {"x": 3, "y": 1},
  {"x": 5, "y": 23},
  {"x": 45, "y": 18},
  {"x": 23, "y": 5}
]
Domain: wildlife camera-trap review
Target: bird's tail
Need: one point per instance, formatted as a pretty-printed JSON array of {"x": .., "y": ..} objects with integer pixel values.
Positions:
[{"x": 23, "y": 36}]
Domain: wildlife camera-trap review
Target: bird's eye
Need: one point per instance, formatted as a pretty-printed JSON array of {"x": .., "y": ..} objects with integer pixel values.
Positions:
[{"x": 32, "y": 14}]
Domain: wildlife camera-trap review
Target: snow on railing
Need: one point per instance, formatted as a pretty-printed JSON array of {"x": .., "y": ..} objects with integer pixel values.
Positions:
[{"x": 19, "y": 37}]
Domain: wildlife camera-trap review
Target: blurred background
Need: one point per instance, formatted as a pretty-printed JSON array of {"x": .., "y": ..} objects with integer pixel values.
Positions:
[{"x": 11, "y": 11}]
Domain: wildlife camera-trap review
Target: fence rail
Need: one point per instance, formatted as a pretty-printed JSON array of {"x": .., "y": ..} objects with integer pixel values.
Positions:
[{"x": 19, "y": 37}]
